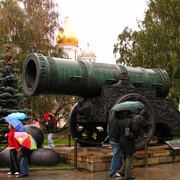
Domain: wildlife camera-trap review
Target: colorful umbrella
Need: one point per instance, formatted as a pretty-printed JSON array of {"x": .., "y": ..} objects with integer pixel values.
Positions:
[
  {"x": 127, "y": 106},
  {"x": 26, "y": 140},
  {"x": 15, "y": 123},
  {"x": 18, "y": 115},
  {"x": 53, "y": 118}
]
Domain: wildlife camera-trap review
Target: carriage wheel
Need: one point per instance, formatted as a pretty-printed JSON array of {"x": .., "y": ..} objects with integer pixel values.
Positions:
[
  {"x": 148, "y": 115},
  {"x": 87, "y": 133}
]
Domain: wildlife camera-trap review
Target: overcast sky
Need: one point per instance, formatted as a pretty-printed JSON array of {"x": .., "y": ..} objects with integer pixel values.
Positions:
[{"x": 101, "y": 21}]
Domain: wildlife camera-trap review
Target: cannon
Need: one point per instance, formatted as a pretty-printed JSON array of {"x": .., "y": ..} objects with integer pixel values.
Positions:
[{"x": 100, "y": 86}]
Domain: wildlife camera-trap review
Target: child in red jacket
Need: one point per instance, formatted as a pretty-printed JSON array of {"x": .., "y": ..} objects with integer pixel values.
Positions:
[{"x": 14, "y": 149}]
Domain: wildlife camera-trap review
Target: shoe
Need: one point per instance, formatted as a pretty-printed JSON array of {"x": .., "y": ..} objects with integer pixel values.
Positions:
[
  {"x": 116, "y": 175},
  {"x": 9, "y": 173},
  {"x": 121, "y": 174},
  {"x": 21, "y": 176},
  {"x": 16, "y": 173}
]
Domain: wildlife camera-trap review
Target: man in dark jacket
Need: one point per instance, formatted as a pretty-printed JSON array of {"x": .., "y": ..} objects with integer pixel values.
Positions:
[
  {"x": 49, "y": 128},
  {"x": 127, "y": 144},
  {"x": 118, "y": 157},
  {"x": 24, "y": 165}
]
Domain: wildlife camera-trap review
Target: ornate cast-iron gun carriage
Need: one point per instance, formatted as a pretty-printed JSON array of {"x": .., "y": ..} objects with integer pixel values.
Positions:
[{"x": 99, "y": 87}]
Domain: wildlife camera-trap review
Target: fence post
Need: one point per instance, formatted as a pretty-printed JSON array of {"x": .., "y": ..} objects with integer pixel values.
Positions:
[
  {"x": 75, "y": 153},
  {"x": 146, "y": 151},
  {"x": 69, "y": 138}
]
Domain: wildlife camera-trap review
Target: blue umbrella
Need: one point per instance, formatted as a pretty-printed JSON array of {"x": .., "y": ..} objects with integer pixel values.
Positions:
[
  {"x": 18, "y": 115},
  {"x": 15, "y": 123},
  {"x": 127, "y": 106}
]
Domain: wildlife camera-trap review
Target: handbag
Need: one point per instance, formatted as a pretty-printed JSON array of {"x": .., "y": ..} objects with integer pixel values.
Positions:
[{"x": 128, "y": 132}]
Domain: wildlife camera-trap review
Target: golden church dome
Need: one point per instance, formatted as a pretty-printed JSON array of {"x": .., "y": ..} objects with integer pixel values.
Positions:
[{"x": 67, "y": 36}]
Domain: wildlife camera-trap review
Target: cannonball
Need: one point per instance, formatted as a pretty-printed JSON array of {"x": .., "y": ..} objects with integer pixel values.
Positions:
[
  {"x": 36, "y": 133},
  {"x": 4, "y": 157},
  {"x": 44, "y": 157}
]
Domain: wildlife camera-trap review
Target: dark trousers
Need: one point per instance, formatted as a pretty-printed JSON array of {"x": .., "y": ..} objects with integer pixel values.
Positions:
[
  {"x": 24, "y": 166},
  {"x": 126, "y": 167},
  {"x": 13, "y": 161}
]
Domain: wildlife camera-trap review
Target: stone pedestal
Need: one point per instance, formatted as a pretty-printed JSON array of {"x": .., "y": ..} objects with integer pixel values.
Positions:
[{"x": 99, "y": 158}]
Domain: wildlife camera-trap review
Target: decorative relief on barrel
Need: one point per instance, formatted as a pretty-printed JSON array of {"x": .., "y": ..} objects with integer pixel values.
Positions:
[
  {"x": 122, "y": 69},
  {"x": 83, "y": 70},
  {"x": 102, "y": 65},
  {"x": 53, "y": 73}
]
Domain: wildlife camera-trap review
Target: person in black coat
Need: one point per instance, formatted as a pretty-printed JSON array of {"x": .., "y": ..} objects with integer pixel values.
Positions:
[
  {"x": 118, "y": 157},
  {"x": 49, "y": 129},
  {"x": 127, "y": 144}
]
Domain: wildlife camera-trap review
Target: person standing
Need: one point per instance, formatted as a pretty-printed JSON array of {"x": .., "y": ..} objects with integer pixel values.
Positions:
[
  {"x": 36, "y": 122},
  {"x": 118, "y": 157},
  {"x": 49, "y": 128},
  {"x": 14, "y": 149},
  {"x": 127, "y": 144},
  {"x": 24, "y": 165}
]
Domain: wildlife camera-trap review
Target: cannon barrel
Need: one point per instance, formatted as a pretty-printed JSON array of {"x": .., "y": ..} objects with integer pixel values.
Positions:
[{"x": 47, "y": 75}]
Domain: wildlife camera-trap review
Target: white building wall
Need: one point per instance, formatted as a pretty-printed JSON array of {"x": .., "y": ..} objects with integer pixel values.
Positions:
[
  {"x": 71, "y": 50},
  {"x": 88, "y": 59}
]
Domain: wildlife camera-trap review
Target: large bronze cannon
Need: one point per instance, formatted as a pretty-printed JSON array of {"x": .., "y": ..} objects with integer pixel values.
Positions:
[{"x": 99, "y": 87}]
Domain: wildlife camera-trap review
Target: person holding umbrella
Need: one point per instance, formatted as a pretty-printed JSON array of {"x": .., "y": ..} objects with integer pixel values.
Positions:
[
  {"x": 126, "y": 140},
  {"x": 27, "y": 143},
  {"x": 127, "y": 144},
  {"x": 49, "y": 127},
  {"x": 14, "y": 126},
  {"x": 14, "y": 149},
  {"x": 118, "y": 157}
]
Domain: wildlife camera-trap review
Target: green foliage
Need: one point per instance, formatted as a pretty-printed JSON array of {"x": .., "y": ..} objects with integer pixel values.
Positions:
[
  {"x": 58, "y": 105},
  {"x": 11, "y": 97},
  {"x": 32, "y": 29},
  {"x": 156, "y": 44}
]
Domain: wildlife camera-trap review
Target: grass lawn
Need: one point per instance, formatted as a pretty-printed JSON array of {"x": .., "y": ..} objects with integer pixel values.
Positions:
[
  {"x": 58, "y": 165},
  {"x": 45, "y": 143},
  {"x": 178, "y": 138},
  {"x": 58, "y": 141},
  {"x": 33, "y": 166}
]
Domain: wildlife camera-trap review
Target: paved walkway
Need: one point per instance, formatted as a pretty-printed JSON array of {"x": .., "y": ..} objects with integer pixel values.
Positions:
[{"x": 157, "y": 172}]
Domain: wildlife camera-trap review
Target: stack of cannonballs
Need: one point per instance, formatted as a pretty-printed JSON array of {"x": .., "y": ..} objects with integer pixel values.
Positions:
[{"x": 43, "y": 156}]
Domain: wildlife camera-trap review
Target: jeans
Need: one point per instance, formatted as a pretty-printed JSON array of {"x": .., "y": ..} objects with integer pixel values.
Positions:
[
  {"x": 50, "y": 141},
  {"x": 24, "y": 166},
  {"x": 13, "y": 161},
  {"x": 126, "y": 168},
  {"x": 117, "y": 159}
]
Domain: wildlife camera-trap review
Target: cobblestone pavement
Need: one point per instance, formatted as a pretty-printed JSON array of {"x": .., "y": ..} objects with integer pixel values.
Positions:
[{"x": 169, "y": 171}]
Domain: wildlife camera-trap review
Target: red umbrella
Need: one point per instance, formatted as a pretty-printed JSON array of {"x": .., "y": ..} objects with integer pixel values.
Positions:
[
  {"x": 54, "y": 120},
  {"x": 26, "y": 140}
]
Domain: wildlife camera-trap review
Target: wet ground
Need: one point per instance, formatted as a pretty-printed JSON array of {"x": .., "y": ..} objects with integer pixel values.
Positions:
[{"x": 169, "y": 171}]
